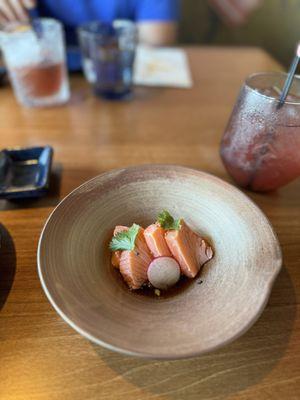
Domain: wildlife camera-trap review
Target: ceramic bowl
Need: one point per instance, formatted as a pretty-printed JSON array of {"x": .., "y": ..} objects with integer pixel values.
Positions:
[{"x": 85, "y": 290}]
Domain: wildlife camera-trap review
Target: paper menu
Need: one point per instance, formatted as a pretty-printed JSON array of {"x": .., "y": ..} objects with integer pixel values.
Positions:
[{"x": 164, "y": 66}]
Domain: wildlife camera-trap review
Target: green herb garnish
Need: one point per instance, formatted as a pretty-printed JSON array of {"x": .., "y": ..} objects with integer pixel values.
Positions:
[
  {"x": 125, "y": 240},
  {"x": 166, "y": 221}
]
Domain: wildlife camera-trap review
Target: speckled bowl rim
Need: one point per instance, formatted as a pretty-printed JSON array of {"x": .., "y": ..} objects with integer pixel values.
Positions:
[{"x": 122, "y": 350}]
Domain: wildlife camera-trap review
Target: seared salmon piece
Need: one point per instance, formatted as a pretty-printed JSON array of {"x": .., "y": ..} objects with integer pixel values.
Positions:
[
  {"x": 115, "y": 258},
  {"x": 116, "y": 255},
  {"x": 188, "y": 249},
  {"x": 134, "y": 263},
  {"x": 155, "y": 239}
]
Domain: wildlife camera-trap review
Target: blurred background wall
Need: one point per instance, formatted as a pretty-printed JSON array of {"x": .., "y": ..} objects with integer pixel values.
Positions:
[{"x": 274, "y": 25}]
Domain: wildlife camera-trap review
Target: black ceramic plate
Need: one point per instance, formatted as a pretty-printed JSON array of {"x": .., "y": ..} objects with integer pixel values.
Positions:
[
  {"x": 2, "y": 75},
  {"x": 25, "y": 173}
]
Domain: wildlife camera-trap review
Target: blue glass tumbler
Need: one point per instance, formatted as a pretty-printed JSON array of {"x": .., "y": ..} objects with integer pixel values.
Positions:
[{"x": 108, "y": 52}]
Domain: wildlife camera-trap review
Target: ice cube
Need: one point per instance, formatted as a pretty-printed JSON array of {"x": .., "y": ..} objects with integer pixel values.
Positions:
[
  {"x": 22, "y": 50},
  {"x": 272, "y": 91}
]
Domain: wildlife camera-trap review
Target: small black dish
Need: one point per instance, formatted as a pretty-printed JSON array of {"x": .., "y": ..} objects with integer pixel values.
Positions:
[
  {"x": 3, "y": 76},
  {"x": 25, "y": 173}
]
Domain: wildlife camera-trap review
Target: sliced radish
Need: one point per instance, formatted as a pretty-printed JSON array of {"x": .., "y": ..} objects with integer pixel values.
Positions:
[{"x": 163, "y": 272}]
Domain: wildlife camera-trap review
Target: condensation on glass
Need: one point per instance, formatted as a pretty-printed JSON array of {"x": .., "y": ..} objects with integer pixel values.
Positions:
[{"x": 261, "y": 144}]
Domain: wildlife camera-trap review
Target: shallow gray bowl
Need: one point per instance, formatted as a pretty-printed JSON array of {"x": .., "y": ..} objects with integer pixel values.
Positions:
[{"x": 75, "y": 271}]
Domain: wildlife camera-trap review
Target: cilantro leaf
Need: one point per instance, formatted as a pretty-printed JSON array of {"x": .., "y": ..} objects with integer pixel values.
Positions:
[
  {"x": 166, "y": 221},
  {"x": 125, "y": 240}
]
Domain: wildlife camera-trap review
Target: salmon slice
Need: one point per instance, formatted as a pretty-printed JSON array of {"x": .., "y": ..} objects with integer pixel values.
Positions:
[
  {"x": 188, "y": 249},
  {"x": 134, "y": 263},
  {"x": 115, "y": 258},
  {"x": 116, "y": 255},
  {"x": 155, "y": 239}
]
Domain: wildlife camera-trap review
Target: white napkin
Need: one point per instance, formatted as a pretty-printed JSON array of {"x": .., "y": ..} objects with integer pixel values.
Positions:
[{"x": 162, "y": 67}]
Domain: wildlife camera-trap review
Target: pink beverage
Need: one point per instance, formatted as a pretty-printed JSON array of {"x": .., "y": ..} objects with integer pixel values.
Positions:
[{"x": 261, "y": 144}]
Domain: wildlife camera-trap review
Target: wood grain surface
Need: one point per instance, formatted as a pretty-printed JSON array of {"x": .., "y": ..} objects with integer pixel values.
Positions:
[{"x": 41, "y": 357}]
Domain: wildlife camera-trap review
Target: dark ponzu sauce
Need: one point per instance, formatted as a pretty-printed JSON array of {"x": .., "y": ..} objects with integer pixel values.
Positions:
[{"x": 149, "y": 291}]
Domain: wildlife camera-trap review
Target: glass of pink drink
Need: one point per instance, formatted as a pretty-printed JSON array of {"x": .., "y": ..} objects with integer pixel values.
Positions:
[{"x": 261, "y": 144}]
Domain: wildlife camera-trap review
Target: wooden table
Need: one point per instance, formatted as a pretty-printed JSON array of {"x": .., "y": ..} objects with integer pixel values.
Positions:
[{"x": 41, "y": 357}]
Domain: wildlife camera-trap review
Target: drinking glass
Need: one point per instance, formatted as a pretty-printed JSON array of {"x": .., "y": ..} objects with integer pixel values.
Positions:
[
  {"x": 261, "y": 144},
  {"x": 108, "y": 52},
  {"x": 36, "y": 63}
]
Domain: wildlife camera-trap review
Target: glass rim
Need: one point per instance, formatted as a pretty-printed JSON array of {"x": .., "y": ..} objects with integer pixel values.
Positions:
[
  {"x": 5, "y": 32},
  {"x": 127, "y": 23},
  {"x": 274, "y": 73}
]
